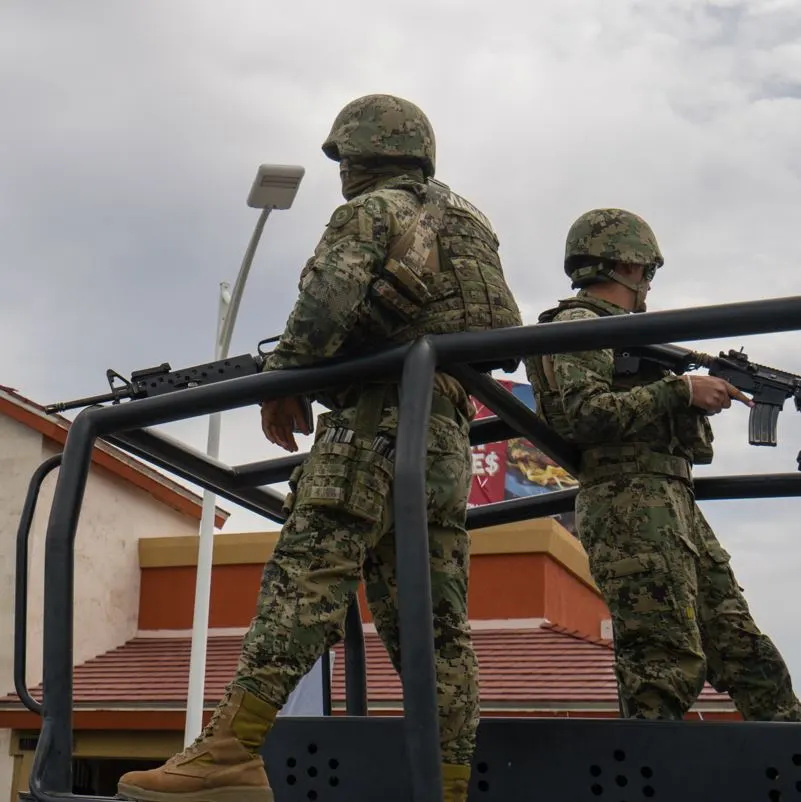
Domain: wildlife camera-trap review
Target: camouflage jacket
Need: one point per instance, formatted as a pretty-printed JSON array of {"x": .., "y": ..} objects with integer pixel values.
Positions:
[
  {"x": 582, "y": 398},
  {"x": 336, "y": 314}
]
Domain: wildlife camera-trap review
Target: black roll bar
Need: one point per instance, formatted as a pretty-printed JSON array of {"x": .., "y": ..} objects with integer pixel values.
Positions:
[
  {"x": 21, "y": 584},
  {"x": 418, "y": 675},
  {"x": 51, "y": 778}
]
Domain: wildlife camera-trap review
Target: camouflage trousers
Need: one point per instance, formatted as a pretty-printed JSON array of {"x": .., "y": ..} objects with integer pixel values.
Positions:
[
  {"x": 340, "y": 527},
  {"x": 678, "y": 614}
]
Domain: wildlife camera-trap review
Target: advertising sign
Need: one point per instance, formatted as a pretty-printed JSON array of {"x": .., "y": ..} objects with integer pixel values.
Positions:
[{"x": 515, "y": 468}]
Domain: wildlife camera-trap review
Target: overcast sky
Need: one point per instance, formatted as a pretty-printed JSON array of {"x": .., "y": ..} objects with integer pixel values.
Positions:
[{"x": 131, "y": 133}]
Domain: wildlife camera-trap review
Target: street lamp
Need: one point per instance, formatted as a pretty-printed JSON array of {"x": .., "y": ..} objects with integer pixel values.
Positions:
[{"x": 274, "y": 187}]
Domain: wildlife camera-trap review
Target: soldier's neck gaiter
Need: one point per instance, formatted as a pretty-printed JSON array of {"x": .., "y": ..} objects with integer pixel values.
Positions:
[{"x": 359, "y": 178}]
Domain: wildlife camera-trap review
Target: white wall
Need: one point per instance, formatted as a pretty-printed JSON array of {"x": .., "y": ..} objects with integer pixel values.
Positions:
[
  {"x": 6, "y": 766},
  {"x": 115, "y": 514},
  {"x": 20, "y": 454}
]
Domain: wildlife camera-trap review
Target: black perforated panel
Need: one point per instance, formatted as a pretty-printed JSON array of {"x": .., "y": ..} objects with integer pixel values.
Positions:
[{"x": 547, "y": 760}]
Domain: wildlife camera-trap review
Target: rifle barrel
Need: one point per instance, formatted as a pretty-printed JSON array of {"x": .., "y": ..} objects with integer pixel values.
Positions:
[{"x": 92, "y": 400}]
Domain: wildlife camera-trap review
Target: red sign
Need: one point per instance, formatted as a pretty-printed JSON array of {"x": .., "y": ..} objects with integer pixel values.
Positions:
[
  {"x": 514, "y": 468},
  {"x": 489, "y": 467}
]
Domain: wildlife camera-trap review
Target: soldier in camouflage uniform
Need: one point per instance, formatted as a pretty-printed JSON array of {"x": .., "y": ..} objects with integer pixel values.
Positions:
[
  {"x": 404, "y": 257},
  {"x": 679, "y": 616}
]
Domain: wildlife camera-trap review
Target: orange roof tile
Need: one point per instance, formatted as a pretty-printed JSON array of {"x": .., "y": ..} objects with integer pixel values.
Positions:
[{"x": 546, "y": 667}]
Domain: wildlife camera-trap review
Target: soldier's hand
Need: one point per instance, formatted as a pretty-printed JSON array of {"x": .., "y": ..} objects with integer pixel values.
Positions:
[
  {"x": 713, "y": 394},
  {"x": 280, "y": 418}
]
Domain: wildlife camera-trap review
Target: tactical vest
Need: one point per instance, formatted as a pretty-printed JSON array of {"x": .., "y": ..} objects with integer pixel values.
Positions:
[
  {"x": 688, "y": 439},
  {"x": 444, "y": 275}
]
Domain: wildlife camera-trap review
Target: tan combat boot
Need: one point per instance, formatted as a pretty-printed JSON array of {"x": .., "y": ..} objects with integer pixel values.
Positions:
[
  {"x": 222, "y": 765},
  {"x": 455, "y": 780}
]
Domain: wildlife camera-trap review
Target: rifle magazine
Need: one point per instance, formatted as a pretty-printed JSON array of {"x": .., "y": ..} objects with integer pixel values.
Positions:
[{"x": 762, "y": 424}]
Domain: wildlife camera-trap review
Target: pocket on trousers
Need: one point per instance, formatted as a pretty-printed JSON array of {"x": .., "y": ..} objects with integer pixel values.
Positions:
[
  {"x": 637, "y": 585},
  {"x": 347, "y": 477},
  {"x": 637, "y": 564},
  {"x": 722, "y": 560},
  {"x": 448, "y": 479}
]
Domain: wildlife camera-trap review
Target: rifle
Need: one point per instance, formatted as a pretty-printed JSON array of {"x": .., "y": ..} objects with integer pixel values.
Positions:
[
  {"x": 161, "y": 379},
  {"x": 768, "y": 387}
]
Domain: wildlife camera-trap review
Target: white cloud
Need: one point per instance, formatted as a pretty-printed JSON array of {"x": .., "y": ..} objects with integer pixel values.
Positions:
[{"x": 132, "y": 134}]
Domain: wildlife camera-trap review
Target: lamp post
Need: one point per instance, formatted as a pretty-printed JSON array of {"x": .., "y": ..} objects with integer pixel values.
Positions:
[{"x": 274, "y": 187}]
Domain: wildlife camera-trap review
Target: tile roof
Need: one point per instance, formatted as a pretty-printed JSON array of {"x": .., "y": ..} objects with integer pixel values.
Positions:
[{"x": 530, "y": 668}]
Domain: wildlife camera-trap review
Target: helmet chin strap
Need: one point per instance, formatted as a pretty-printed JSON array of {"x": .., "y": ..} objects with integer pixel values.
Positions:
[{"x": 640, "y": 289}]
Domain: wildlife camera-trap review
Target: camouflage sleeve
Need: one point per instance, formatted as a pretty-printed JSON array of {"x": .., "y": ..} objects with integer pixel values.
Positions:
[
  {"x": 333, "y": 284},
  {"x": 595, "y": 411}
]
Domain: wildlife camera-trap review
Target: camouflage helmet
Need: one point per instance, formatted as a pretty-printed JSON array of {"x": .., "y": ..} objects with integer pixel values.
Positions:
[
  {"x": 613, "y": 234},
  {"x": 376, "y": 126}
]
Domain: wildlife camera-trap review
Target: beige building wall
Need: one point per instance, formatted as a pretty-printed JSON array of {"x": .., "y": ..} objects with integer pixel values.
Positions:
[{"x": 115, "y": 516}]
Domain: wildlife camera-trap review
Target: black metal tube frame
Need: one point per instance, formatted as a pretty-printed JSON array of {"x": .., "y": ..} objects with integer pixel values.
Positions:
[
  {"x": 51, "y": 775},
  {"x": 326, "y": 667},
  {"x": 355, "y": 662},
  {"x": 190, "y": 464},
  {"x": 522, "y": 420},
  {"x": 412, "y": 568},
  {"x": 706, "y": 488},
  {"x": 21, "y": 584}
]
